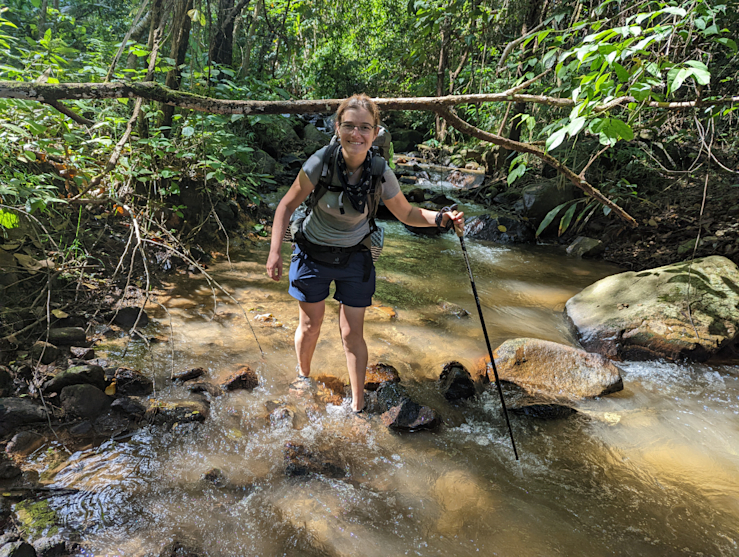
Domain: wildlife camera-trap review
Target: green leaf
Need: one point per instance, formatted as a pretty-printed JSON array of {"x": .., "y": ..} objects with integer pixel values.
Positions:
[
  {"x": 36, "y": 3},
  {"x": 727, "y": 42},
  {"x": 679, "y": 77},
  {"x": 575, "y": 126},
  {"x": 565, "y": 222},
  {"x": 8, "y": 219},
  {"x": 622, "y": 129},
  {"x": 674, "y": 10},
  {"x": 621, "y": 72},
  {"x": 700, "y": 72},
  {"x": 554, "y": 140},
  {"x": 550, "y": 217},
  {"x": 187, "y": 131}
]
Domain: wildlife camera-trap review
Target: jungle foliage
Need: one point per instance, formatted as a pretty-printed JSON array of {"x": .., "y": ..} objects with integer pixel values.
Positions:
[{"x": 615, "y": 60}]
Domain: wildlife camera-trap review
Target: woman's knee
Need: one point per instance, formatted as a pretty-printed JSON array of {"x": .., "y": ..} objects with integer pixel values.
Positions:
[
  {"x": 310, "y": 327},
  {"x": 351, "y": 336}
]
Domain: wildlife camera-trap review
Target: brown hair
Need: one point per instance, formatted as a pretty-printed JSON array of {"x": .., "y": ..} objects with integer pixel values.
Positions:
[{"x": 358, "y": 101}]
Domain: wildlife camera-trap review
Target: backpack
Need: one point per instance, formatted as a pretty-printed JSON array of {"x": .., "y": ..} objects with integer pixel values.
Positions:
[{"x": 381, "y": 149}]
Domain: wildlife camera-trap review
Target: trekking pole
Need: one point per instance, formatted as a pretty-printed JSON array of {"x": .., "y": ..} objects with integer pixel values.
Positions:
[{"x": 460, "y": 233}]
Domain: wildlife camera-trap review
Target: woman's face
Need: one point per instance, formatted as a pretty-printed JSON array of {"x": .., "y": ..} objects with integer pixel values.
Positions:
[{"x": 356, "y": 131}]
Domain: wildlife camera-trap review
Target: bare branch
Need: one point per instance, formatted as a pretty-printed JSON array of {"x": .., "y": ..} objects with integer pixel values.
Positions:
[
  {"x": 511, "y": 145},
  {"x": 71, "y": 113}
]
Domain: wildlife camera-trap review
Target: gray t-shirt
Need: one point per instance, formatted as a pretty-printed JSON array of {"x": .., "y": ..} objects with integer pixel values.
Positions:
[{"x": 325, "y": 225}]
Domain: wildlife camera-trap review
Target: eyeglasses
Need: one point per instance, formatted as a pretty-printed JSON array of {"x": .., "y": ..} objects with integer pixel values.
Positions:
[{"x": 364, "y": 129}]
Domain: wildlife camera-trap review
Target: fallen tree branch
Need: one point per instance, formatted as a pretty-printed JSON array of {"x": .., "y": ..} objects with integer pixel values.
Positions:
[
  {"x": 45, "y": 92},
  {"x": 456, "y": 122},
  {"x": 70, "y": 113}
]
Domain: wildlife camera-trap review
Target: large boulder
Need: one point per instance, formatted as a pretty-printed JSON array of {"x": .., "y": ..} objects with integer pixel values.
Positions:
[
  {"x": 77, "y": 375},
  {"x": 502, "y": 229},
  {"x": 264, "y": 162},
  {"x": 15, "y": 412},
  {"x": 555, "y": 370},
  {"x": 540, "y": 198},
  {"x": 679, "y": 311},
  {"x": 314, "y": 138},
  {"x": 406, "y": 140}
]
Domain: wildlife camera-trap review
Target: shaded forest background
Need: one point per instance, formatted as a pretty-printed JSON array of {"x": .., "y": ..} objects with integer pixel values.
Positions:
[{"x": 637, "y": 97}]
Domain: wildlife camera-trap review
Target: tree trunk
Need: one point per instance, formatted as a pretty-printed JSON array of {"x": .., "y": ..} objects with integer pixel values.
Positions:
[
  {"x": 246, "y": 52},
  {"x": 221, "y": 49},
  {"x": 41, "y": 29},
  {"x": 156, "y": 15},
  {"x": 181, "y": 25},
  {"x": 440, "y": 71},
  {"x": 533, "y": 14}
]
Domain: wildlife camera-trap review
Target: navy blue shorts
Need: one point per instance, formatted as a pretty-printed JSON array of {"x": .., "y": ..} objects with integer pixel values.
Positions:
[{"x": 310, "y": 281}]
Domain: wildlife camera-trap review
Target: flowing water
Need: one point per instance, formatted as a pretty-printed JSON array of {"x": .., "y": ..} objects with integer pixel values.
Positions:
[{"x": 652, "y": 470}]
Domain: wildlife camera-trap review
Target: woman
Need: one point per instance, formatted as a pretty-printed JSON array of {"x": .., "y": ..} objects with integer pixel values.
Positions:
[{"x": 339, "y": 219}]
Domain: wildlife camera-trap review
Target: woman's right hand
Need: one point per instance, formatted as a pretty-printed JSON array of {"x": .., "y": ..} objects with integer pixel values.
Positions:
[{"x": 274, "y": 266}]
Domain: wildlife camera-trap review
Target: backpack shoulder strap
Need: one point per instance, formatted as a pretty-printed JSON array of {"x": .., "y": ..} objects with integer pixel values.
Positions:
[
  {"x": 327, "y": 175},
  {"x": 378, "y": 169}
]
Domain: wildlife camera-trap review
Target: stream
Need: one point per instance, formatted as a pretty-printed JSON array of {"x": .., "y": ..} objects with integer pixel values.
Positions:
[{"x": 652, "y": 470}]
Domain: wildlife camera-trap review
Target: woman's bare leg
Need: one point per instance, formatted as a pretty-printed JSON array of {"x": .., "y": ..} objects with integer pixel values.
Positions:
[
  {"x": 306, "y": 335},
  {"x": 351, "y": 322}
]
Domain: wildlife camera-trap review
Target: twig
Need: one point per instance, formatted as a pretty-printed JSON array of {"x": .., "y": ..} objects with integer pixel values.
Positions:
[
  {"x": 522, "y": 86},
  {"x": 210, "y": 279},
  {"x": 592, "y": 160},
  {"x": 513, "y": 44}
]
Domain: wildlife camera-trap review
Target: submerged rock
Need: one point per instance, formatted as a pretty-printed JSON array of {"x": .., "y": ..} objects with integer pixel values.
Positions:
[
  {"x": 585, "y": 247},
  {"x": 555, "y": 370},
  {"x": 301, "y": 461},
  {"x": 243, "y": 378},
  {"x": 378, "y": 374},
  {"x": 678, "y": 311},
  {"x": 181, "y": 549},
  {"x": 456, "y": 382},
  {"x": 189, "y": 374},
  {"x": 177, "y": 412},
  {"x": 331, "y": 389},
  {"x": 411, "y": 416}
]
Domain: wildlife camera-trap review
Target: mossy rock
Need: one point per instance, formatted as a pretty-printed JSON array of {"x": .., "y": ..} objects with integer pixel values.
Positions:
[{"x": 679, "y": 311}]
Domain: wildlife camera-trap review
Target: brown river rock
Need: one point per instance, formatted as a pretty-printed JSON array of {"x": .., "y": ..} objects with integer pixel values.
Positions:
[
  {"x": 678, "y": 311},
  {"x": 555, "y": 370}
]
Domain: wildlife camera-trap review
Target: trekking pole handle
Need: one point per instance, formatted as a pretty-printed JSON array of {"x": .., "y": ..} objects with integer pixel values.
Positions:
[{"x": 458, "y": 228}]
